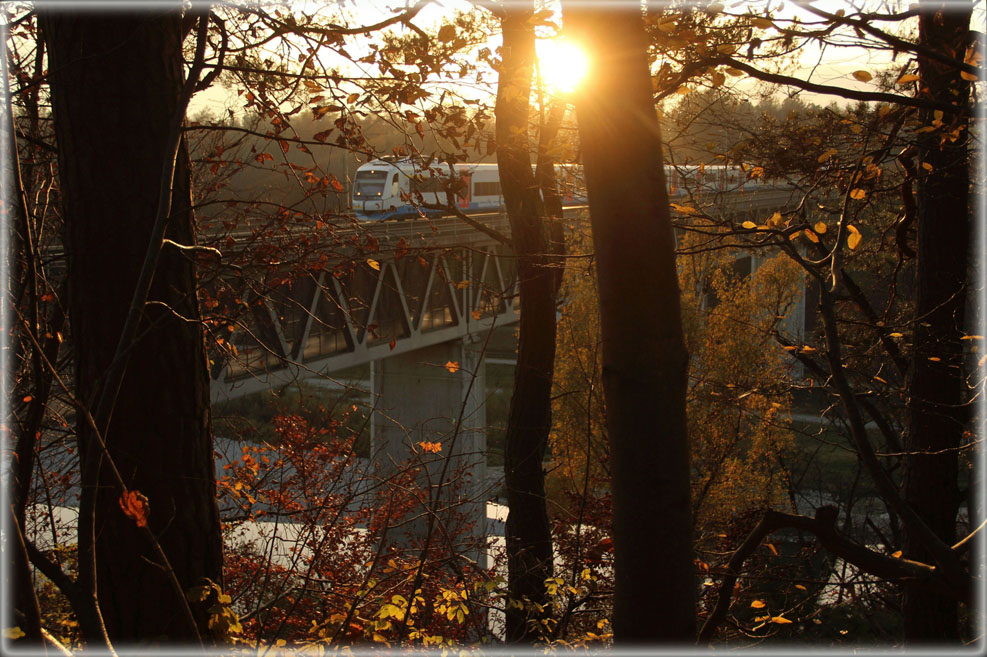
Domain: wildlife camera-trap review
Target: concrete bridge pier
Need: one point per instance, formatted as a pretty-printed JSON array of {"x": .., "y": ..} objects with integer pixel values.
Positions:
[{"x": 429, "y": 408}]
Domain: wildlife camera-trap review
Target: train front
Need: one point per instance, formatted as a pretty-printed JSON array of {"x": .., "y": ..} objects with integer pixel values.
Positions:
[{"x": 376, "y": 192}]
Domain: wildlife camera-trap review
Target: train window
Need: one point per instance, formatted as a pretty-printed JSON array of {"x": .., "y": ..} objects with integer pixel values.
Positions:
[
  {"x": 369, "y": 183},
  {"x": 486, "y": 188},
  {"x": 427, "y": 185}
]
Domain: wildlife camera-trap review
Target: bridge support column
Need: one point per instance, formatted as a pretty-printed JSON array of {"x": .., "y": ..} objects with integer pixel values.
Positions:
[{"x": 436, "y": 395}]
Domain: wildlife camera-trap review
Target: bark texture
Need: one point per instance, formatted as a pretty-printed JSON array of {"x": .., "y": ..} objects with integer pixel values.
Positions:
[
  {"x": 528, "y": 535},
  {"x": 116, "y": 82},
  {"x": 939, "y": 396},
  {"x": 644, "y": 355}
]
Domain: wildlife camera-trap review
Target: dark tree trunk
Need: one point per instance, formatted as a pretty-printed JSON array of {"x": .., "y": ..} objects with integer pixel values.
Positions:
[
  {"x": 528, "y": 535},
  {"x": 939, "y": 396},
  {"x": 644, "y": 355},
  {"x": 116, "y": 82}
]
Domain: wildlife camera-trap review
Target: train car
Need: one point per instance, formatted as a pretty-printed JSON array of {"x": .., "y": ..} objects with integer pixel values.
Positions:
[{"x": 400, "y": 189}]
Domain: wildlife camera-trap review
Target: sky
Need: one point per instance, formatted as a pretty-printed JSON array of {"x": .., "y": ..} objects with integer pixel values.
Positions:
[{"x": 830, "y": 66}]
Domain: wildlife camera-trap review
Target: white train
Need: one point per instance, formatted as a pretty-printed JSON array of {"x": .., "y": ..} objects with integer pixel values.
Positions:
[{"x": 398, "y": 189}]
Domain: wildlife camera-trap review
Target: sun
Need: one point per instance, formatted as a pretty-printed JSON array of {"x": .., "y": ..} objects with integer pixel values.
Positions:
[{"x": 563, "y": 64}]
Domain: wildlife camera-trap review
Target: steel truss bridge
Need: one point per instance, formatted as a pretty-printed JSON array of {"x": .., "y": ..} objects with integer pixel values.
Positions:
[{"x": 431, "y": 282}]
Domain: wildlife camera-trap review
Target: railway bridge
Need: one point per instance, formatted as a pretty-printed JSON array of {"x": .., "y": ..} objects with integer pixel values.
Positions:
[{"x": 420, "y": 311}]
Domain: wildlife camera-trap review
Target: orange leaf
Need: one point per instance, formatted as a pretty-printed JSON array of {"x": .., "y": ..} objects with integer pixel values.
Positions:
[
  {"x": 134, "y": 506},
  {"x": 781, "y": 620},
  {"x": 757, "y": 604},
  {"x": 452, "y": 366},
  {"x": 433, "y": 448}
]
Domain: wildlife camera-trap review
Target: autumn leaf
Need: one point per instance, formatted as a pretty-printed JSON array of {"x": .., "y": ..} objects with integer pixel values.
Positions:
[
  {"x": 452, "y": 366},
  {"x": 447, "y": 33},
  {"x": 134, "y": 506},
  {"x": 373, "y": 264},
  {"x": 853, "y": 241},
  {"x": 684, "y": 209},
  {"x": 820, "y": 227},
  {"x": 905, "y": 79},
  {"x": 338, "y": 186},
  {"x": 780, "y": 620},
  {"x": 826, "y": 155},
  {"x": 856, "y": 194},
  {"x": 863, "y": 76},
  {"x": 749, "y": 225},
  {"x": 14, "y": 633},
  {"x": 812, "y": 236},
  {"x": 431, "y": 448},
  {"x": 757, "y": 604}
]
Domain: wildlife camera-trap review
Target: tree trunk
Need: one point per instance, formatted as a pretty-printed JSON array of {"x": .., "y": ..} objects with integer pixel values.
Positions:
[
  {"x": 644, "y": 355},
  {"x": 939, "y": 396},
  {"x": 116, "y": 81},
  {"x": 528, "y": 535}
]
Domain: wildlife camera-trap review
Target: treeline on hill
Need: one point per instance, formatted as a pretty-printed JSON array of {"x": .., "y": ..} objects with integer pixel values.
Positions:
[{"x": 731, "y": 424}]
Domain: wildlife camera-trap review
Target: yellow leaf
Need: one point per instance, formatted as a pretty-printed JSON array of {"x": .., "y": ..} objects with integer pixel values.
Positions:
[
  {"x": 856, "y": 194},
  {"x": 853, "y": 241},
  {"x": 812, "y": 236},
  {"x": 927, "y": 166},
  {"x": 762, "y": 23},
  {"x": 718, "y": 78},
  {"x": 972, "y": 337},
  {"x": 856, "y": 128},
  {"x": 780, "y": 620},
  {"x": 352, "y": 98},
  {"x": 684, "y": 209},
  {"x": 13, "y": 632},
  {"x": 757, "y": 604},
  {"x": 896, "y": 335},
  {"x": 935, "y": 359},
  {"x": 800, "y": 587},
  {"x": 771, "y": 547},
  {"x": 820, "y": 227},
  {"x": 826, "y": 155},
  {"x": 749, "y": 225},
  {"x": 863, "y": 76},
  {"x": 373, "y": 264},
  {"x": 905, "y": 79}
]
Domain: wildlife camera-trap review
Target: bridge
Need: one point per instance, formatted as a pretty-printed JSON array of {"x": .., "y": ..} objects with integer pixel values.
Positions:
[{"x": 419, "y": 310}]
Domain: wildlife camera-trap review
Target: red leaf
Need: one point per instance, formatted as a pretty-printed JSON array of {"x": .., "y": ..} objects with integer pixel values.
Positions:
[{"x": 134, "y": 506}]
